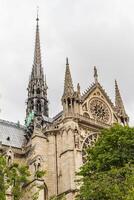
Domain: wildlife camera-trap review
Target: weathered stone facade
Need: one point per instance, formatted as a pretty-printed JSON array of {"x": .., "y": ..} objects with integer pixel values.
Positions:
[{"x": 57, "y": 145}]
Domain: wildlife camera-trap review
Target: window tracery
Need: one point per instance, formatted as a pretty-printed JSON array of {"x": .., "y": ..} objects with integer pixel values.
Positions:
[{"x": 88, "y": 142}]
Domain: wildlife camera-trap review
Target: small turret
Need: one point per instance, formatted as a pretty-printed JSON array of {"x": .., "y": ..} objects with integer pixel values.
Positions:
[
  {"x": 68, "y": 84},
  {"x": 95, "y": 75},
  {"x": 70, "y": 99}
]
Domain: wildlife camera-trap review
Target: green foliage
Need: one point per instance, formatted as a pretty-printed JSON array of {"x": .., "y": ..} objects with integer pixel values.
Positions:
[
  {"x": 61, "y": 197},
  {"x": 39, "y": 174},
  {"x": 15, "y": 177},
  {"x": 3, "y": 170},
  {"x": 108, "y": 173},
  {"x": 18, "y": 176}
]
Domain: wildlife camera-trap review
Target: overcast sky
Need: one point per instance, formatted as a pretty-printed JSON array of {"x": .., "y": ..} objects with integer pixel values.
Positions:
[{"x": 89, "y": 32}]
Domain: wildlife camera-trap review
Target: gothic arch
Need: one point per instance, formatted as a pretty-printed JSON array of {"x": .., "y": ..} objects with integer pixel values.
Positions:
[
  {"x": 88, "y": 142},
  {"x": 38, "y": 106},
  {"x": 38, "y": 91}
]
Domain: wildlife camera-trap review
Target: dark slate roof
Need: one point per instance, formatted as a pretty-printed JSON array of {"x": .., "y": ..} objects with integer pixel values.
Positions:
[{"x": 11, "y": 134}]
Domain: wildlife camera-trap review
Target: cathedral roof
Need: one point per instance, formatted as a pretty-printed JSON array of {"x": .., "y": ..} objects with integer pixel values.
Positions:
[
  {"x": 58, "y": 115},
  {"x": 11, "y": 134}
]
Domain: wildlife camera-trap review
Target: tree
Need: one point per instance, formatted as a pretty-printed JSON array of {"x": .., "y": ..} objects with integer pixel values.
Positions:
[
  {"x": 108, "y": 173},
  {"x": 14, "y": 177}
]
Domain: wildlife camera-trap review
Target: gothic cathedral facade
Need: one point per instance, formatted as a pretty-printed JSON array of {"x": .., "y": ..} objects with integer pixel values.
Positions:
[{"x": 57, "y": 145}]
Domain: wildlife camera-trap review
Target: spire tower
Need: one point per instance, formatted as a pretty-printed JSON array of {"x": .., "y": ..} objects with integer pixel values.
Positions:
[
  {"x": 70, "y": 99},
  {"x": 120, "y": 109},
  {"x": 37, "y": 88}
]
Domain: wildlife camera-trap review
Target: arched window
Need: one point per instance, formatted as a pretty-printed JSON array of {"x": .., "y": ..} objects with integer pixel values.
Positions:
[
  {"x": 88, "y": 142},
  {"x": 38, "y": 91},
  {"x": 38, "y": 106}
]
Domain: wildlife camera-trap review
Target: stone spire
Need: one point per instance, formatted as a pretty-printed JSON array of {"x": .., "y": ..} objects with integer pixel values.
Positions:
[
  {"x": 68, "y": 84},
  {"x": 120, "y": 109},
  {"x": 37, "y": 70},
  {"x": 37, "y": 88}
]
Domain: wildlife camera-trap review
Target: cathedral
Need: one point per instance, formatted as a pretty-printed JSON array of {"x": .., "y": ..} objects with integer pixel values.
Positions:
[{"x": 58, "y": 144}]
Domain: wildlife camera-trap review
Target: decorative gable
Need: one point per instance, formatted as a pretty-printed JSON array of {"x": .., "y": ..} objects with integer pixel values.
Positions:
[{"x": 96, "y": 104}]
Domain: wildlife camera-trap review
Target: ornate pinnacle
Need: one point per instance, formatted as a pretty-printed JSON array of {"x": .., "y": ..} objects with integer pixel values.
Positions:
[
  {"x": 68, "y": 84},
  {"x": 78, "y": 88},
  {"x": 95, "y": 75},
  {"x": 67, "y": 62},
  {"x": 119, "y": 102}
]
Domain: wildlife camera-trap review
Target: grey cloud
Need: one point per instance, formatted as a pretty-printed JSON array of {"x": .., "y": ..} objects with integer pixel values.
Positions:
[{"x": 89, "y": 32}]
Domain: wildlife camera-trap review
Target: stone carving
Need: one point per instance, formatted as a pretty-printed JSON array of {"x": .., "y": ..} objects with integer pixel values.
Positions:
[
  {"x": 37, "y": 164},
  {"x": 9, "y": 157},
  {"x": 38, "y": 122}
]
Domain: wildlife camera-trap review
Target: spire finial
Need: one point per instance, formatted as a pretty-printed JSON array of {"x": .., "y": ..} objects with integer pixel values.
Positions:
[
  {"x": 67, "y": 62},
  {"x": 37, "y": 19},
  {"x": 95, "y": 74},
  {"x": 37, "y": 52}
]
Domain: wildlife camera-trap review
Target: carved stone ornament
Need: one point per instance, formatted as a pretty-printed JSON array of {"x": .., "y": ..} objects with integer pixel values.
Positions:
[
  {"x": 37, "y": 164},
  {"x": 38, "y": 122},
  {"x": 9, "y": 155}
]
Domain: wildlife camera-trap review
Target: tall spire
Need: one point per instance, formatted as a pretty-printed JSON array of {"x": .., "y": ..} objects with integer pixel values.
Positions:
[
  {"x": 37, "y": 89},
  {"x": 68, "y": 84},
  {"x": 120, "y": 109},
  {"x": 37, "y": 53}
]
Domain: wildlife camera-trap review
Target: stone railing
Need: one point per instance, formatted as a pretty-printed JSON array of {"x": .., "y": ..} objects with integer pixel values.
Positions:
[
  {"x": 91, "y": 121},
  {"x": 80, "y": 118}
]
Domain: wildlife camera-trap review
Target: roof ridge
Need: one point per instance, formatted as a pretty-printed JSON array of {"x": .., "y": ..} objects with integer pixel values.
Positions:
[
  {"x": 12, "y": 124},
  {"x": 88, "y": 89},
  {"x": 91, "y": 87},
  {"x": 112, "y": 104}
]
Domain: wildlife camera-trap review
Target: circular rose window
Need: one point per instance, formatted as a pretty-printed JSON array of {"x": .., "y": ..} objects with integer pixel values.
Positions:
[{"x": 99, "y": 110}]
